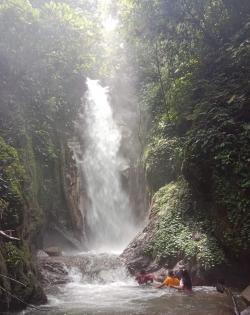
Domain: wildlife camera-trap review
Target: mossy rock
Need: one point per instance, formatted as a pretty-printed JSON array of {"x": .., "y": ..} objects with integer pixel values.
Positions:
[
  {"x": 11, "y": 179},
  {"x": 179, "y": 235},
  {"x": 18, "y": 264}
]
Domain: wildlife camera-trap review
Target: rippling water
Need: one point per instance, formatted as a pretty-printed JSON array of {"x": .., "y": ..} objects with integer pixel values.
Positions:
[{"x": 123, "y": 296}]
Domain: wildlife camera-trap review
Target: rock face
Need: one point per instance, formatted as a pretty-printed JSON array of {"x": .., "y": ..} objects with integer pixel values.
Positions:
[
  {"x": 134, "y": 255},
  {"x": 53, "y": 272},
  {"x": 174, "y": 239},
  {"x": 246, "y": 294},
  {"x": 21, "y": 267},
  {"x": 39, "y": 201},
  {"x": 63, "y": 218}
]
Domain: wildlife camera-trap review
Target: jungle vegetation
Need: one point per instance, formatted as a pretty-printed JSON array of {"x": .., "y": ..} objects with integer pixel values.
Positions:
[
  {"x": 188, "y": 65},
  {"x": 192, "y": 67}
]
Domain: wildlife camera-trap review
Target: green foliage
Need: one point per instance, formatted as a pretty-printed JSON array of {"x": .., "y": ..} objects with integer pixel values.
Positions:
[
  {"x": 45, "y": 53},
  {"x": 44, "y": 146},
  {"x": 192, "y": 61},
  {"x": 179, "y": 235},
  {"x": 11, "y": 179},
  {"x": 47, "y": 48},
  {"x": 12, "y": 171},
  {"x": 162, "y": 158},
  {"x": 14, "y": 256}
]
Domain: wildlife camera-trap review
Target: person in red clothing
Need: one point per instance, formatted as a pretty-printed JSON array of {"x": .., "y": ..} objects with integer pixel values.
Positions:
[{"x": 143, "y": 278}]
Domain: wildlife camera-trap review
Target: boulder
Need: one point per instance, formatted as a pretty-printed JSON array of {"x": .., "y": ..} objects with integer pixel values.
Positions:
[
  {"x": 41, "y": 253},
  {"x": 246, "y": 311},
  {"x": 246, "y": 294},
  {"x": 53, "y": 251}
]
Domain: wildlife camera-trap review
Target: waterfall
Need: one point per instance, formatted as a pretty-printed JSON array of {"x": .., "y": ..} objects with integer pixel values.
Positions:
[{"x": 109, "y": 216}]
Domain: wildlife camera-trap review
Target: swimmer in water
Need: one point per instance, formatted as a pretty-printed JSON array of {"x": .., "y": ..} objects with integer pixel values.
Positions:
[
  {"x": 185, "y": 281},
  {"x": 143, "y": 278}
]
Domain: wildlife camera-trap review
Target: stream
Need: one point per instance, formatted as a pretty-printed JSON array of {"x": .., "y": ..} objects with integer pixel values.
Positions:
[{"x": 100, "y": 284}]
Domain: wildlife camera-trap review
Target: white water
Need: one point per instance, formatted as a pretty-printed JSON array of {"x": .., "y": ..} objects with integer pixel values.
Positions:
[
  {"x": 109, "y": 216},
  {"x": 113, "y": 292}
]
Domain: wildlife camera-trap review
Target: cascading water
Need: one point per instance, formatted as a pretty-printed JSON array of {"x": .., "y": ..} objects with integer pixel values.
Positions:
[{"x": 109, "y": 215}]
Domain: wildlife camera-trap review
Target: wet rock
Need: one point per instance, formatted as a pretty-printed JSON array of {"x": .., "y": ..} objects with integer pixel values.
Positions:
[
  {"x": 53, "y": 251},
  {"x": 246, "y": 294},
  {"x": 246, "y": 311},
  {"x": 149, "y": 250},
  {"x": 53, "y": 273},
  {"x": 62, "y": 238},
  {"x": 42, "y": 253},
  {"x": 160, "y": 274},
  {"x": 134, "y": 255}
]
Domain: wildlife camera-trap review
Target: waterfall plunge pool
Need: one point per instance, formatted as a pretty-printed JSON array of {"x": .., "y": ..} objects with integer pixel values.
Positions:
[
  {"x": 125, "y": 299},
  {"x": 102, "y": 286}
]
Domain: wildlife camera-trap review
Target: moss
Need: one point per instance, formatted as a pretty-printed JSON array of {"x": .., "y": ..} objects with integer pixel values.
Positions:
[
  {"x": 19, "y": 265},
  {"x": 12, "y": 177},
  {"x": 179, "y": 235},
  {"x": 14, "y": 256},
  {"x": 34, "y": 216},
  {"x": 12, "y": 170}
]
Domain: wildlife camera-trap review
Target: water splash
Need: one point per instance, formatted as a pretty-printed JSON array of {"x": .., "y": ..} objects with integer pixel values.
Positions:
[{"x": 109, "y": 215}]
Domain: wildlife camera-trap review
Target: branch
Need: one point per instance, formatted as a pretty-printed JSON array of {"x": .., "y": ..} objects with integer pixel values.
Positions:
[{"x": 6, "y": 236}]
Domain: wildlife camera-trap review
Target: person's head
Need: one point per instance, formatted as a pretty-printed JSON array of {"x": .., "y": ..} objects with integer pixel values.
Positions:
[
  {"x": 143, "y": 272},
  {"x": 170, "y": 273}
]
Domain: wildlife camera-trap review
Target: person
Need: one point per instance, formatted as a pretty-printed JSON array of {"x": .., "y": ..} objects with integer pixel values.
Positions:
[
  {"x": 143, "y": 278},
  {"x": 170, "y": 280},
  {"x": 185, "y": 281}
]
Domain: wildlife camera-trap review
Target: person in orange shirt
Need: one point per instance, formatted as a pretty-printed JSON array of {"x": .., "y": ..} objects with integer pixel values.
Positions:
[{"x": 171, "y": 280}]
